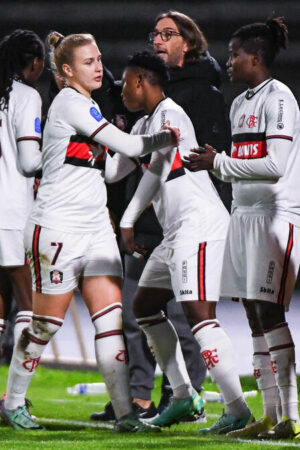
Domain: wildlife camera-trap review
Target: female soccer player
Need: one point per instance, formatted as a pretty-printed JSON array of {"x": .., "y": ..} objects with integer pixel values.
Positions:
[
  {"x": 261, "y": 258},
  {"x": 187, "y": 264},
  {"x": 21, "y": 64},
  {"x": 69, "y": 238}
]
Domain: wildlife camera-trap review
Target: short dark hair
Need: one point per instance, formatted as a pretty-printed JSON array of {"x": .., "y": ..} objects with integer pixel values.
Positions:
[
  {"x": 190, "y": 32},
  {"x": 267, "y": 38},
  {"x": 17, "y": 51},
  {"x": 155, "y": 68}
]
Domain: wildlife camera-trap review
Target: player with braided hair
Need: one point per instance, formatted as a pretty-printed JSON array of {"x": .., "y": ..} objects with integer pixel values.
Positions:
[
  {"x": 262, "y": 253},
  {"x": 21, "y": 64}
]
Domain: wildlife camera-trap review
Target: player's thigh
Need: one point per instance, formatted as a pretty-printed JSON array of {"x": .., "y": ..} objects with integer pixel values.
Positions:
[
  {"x": 196, "y": 271},
  {"x": 12, "y": 252},
  {"x": 101, "y": 276},
  {"x": 55, "y": 258},
  {"x": 54, "y": 305}
]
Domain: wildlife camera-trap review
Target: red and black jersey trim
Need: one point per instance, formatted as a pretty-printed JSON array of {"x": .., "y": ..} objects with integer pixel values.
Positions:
[
  {"x": 177, "y": 169},
  {"x": 287, "y": 256},
  {"x": 280, "y": 136},
  {"x": 248, "y": 137},
  {"x": 29, "y": 138},
  {"x": 99, "y": 129},
  {"x": 36, "y": 258},
  {"x": 201, "y": 271},
  {"x": 80, "y": 153}
]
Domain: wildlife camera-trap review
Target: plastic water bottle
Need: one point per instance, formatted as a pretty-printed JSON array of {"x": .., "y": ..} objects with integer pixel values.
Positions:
[
  {"x": 212, "y": 396},
  {"x": 87, "y": 388}
]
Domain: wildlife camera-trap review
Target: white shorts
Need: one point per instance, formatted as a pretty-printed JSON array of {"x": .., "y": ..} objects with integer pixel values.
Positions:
[
  {"x": 58, "y": 259},
  {"x": 261, "y": 258},
  {"x": 192, "y": 272},
  {"x": 12, "y": 251}
]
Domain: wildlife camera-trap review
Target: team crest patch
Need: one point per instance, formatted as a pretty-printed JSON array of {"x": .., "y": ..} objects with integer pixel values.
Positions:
[
  {"x": 96, "y": 114},
  {"x": 56, "y": 276},
  {"x": 37, "y": 125}
]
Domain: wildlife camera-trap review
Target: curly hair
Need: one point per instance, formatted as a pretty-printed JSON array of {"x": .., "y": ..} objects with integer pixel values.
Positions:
[{"x": 156, "y": 70}]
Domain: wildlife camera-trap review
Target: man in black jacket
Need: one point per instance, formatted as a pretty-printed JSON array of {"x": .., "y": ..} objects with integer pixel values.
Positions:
[{"x": 195, "y": 78}]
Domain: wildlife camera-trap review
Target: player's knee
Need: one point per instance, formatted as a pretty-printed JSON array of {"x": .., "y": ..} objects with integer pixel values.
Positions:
[
  {"x": 39, "y": 332},
  {"x": 252, "y": 316},
  {"x": 270, "y": 314}
]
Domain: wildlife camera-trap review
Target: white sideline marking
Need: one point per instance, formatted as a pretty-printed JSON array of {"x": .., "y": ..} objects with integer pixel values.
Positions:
[
  {"x": 267, "y": 442},
  {"x": 77, "y": 423}
]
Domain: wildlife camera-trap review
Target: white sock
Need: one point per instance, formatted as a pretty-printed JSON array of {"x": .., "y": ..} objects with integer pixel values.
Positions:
[
  {"x": 217, "y": 353},
  {"x": 163, "y": 341},
  {"x": 265, "y": 378},
  {"x": 111, "y": 357},
  {"x": 26, "y": 357},
  {"x": 2, "y": 328},
  {"x": 22, "y": 321},
  {"x": 282, "y": 351}
]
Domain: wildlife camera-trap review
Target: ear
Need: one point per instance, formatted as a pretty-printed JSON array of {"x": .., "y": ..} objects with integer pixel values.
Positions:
[
  {"x": 139, "y": 80},
  {"x": 186, "y": 46},
  {"x": 67, "y": 70},
  {"x": 257, "y": 59}
]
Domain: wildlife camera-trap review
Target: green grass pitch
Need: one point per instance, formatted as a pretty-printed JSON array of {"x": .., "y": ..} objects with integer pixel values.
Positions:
[{"x": 66, "y": 418}]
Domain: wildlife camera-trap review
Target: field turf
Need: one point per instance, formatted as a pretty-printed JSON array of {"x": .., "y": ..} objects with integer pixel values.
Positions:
[{"x": 66, "y": 418}]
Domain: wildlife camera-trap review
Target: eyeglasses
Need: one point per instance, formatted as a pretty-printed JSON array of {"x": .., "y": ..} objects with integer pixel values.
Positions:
[{"x": 165, "y": 35}]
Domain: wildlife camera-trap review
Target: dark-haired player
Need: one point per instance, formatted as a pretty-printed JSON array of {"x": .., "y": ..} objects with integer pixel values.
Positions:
[
  {"x": 21, "y": 64},
  {"x": 261, "y": 258},
  {"x": 187, "y": 264}
]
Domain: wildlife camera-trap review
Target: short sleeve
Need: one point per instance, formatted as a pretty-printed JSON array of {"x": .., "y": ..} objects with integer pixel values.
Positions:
[{"x": 28, "y": 117}]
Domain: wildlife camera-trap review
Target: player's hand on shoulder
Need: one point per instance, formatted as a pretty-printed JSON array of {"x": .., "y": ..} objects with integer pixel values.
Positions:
[
  {"x": 201, "y": 158},
  {"x": 131, "y": 247}
]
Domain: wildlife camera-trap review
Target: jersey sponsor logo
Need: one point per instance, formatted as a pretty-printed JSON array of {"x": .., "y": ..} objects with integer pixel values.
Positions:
[
  {"x": 210, "y": 358},
  {"x": 270, "y": 272},
  {"x": 184, "y": 272},
  {"x": 266, "y": 290},
  {"x": 186, "y": 292},
  {"x": 280, "y": 124},
  {"x": 37, "y": 125},
  {"x": 249, "y": 146},
  {"x": 252, "y": 121},
  {"x": 177, "y": 169},
  {"x": 83, "y": 151},
  {"x": 96, "y": 114},
  {"x": 56, "y": 276}
]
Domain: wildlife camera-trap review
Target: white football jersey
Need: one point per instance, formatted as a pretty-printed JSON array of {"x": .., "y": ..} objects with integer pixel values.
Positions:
[
  {"x": 20, "y": 122},
  {"x": 72, "y": 195},
  {"x": 186, "y": 203},
  {"x": 265, "y": 156}
]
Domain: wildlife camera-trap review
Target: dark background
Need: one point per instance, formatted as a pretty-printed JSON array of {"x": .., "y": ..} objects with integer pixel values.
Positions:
[{"x": 122, "y": 27}]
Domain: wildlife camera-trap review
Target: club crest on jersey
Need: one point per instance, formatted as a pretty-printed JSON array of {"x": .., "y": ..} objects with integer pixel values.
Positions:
[
  {"x": 96, "y": 114},
  {"x": 252, "y": 121},
  {"x": 56, "y": 277},
  {"x": 37, "y": 125}
]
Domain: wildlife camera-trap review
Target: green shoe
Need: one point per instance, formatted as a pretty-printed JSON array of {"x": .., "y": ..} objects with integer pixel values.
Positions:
[
  {"x": 228, "y": 422},
  {"x": 285, "y": 429},
  {"x": 178, "y": 409},
  {"x": 253, "y": 429},
  {"x": 132, "y": 423},
  {"x": 19, "y": 418}
]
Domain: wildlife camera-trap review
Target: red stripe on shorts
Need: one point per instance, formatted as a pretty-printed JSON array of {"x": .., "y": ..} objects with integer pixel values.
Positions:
[
  {"x": 36, "y": 259},
  {"x": 284, "y": 275},
  {"x": 201, "y": 271}
]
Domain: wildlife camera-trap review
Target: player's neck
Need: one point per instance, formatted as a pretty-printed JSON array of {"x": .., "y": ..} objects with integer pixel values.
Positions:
[
  {"x": 152, "y": 100},
  {"x": 259, "y": 78}
]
